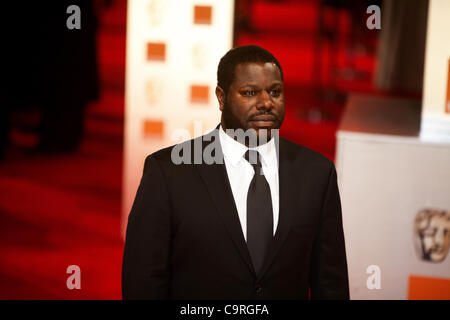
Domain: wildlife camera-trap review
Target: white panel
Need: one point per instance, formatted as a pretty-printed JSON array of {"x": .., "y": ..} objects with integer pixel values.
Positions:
[
  {"x": 384, "y": 181},
  {"x": 435, "y": 121},
  {"x": 160, "y": 90}
]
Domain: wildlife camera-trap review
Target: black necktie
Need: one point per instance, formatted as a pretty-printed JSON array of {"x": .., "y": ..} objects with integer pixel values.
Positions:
[{"x": 259, "y": 213}]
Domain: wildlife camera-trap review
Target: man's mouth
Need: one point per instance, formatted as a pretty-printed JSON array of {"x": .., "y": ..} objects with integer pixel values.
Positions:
[{"x": 263, "y": 120}]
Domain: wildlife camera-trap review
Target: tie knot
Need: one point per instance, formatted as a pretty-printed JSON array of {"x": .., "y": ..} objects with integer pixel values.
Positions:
[{"x": 253, "y": 157}]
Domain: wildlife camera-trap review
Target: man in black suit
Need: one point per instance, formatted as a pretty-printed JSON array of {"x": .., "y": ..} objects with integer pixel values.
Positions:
[{"x": 239, "y": 213}]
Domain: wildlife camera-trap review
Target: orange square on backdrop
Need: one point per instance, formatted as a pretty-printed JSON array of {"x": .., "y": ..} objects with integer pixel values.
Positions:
[
  {"x": 156, "y": 51},
  {"x": 202, "y": 14},
  {"x": 199, "y": 94},
  {"x": 428, "y": 288},
  {"x": 153, "y": 128}
]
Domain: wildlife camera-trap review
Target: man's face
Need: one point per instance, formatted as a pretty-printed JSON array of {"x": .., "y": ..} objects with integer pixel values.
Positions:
[{"x": 255, "y": 98}]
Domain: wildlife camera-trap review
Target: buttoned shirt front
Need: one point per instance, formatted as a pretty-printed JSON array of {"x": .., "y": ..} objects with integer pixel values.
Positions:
[{"x": 240, "y": 173}]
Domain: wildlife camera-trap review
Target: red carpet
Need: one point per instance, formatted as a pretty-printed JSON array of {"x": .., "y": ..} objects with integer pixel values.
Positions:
[{"x": 57, "y": 211}]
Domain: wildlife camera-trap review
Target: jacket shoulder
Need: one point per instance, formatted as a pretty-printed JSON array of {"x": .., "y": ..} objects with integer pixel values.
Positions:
[
  {"x": 304, "y": 155},
  {"x": 164, "y": 156}
]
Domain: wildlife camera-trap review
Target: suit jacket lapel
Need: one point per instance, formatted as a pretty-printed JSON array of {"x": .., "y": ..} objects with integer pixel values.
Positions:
[
  {"x": 217, "y": 183},
  {"x": 287, "y": 202}
]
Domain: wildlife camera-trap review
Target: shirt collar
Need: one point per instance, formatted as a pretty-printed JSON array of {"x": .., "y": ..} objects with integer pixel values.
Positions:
[{"x": 234, "y": 151}]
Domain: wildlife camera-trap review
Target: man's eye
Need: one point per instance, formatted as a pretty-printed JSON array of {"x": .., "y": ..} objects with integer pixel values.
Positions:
[
  {"x": 249, "y": 93},
  {"x": 275, "y": 93}
]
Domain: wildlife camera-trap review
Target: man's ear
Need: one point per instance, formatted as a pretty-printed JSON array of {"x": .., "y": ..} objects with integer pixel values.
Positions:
[{"x": 220, "y": 94}]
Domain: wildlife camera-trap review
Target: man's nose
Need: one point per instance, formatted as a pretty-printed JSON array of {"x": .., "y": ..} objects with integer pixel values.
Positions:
[{"x": 265, "y": 101}]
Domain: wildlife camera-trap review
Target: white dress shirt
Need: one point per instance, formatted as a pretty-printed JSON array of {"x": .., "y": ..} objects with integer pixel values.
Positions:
[{"x": 240, "y": 174}]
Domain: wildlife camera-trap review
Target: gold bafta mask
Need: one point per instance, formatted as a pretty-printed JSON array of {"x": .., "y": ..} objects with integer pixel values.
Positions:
[
  {"x": 200, "y": 55},
  {"x": 432, "y": 234},
  {"x": 153, "y": 91},
  {"x": 156, "y": 12}
]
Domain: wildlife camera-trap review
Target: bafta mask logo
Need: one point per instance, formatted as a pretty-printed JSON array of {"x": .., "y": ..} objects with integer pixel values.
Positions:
[
  {"x": 200, "y": 55},
  {"x": 153, "y": 91},
  {"x": 156, "y": 12},
  {"x": 432, "y": 234}
]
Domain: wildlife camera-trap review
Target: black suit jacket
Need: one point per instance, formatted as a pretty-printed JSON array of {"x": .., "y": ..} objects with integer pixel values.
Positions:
[{"x": 184, "y": 239}]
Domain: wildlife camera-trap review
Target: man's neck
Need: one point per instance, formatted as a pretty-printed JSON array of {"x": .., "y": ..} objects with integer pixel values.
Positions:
[{"x": 250, "y": 141}]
